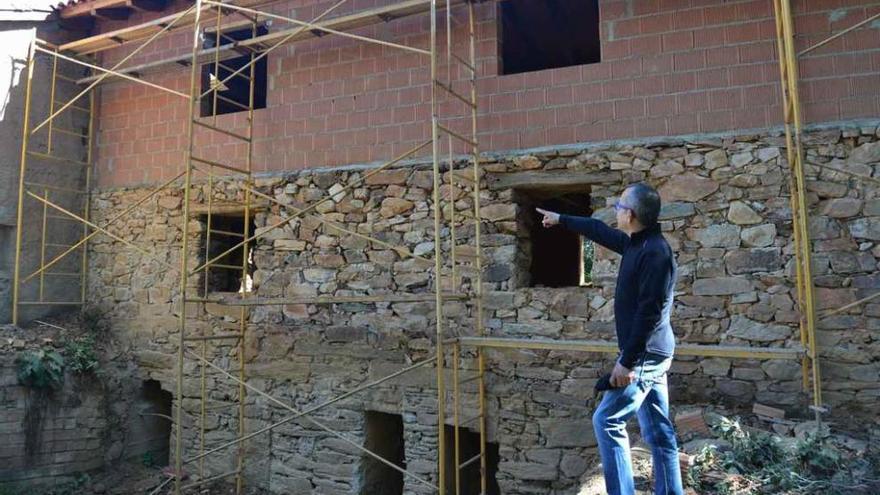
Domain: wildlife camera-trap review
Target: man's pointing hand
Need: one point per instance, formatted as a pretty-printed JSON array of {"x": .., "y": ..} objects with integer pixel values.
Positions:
[{"x": 550, "y": 218}]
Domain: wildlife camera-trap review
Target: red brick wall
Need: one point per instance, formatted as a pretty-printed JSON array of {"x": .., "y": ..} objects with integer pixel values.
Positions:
[{"x": 668, "y": 67}]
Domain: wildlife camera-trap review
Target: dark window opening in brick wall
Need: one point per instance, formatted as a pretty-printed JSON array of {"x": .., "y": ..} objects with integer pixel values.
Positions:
[
  {"x": 237, "y": 93},
  {"x": 469, "y": 447},
  {"x": 225, "y": 232},
  {"x": 546, "y": 34},
  {"x": 383, "y": 435},
  {"x": 555, "y": 257}
]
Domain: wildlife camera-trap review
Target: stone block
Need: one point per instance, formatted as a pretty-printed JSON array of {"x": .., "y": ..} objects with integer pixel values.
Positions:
[
  {"x": 392, "y": 207},
  {"x": 721, "y": 235},
  {"x": 715, "y": 366},
  {"x": 567, "y": 432},
  {"x": 866, "y": 153},
  {"x": 741, "y": 159},
  {"x": 388, "y": 177},
  {"x": 824, "y": 228},
  {"x": 665, "y": 169},
  {"x": 827, "y": 298},
  {"x": 288, "y": 369},
  {"x": 528, "y": 471},
  {"x": 169, "y": 202},
  {"x": 827, "y": 189},
  {"x": 755, "y": 260},
  {"x": 573, "y": 465},
  {"x": 716, "y": 159},
  {"x": 155, "y": 359},
  {"x": 759, "y": 236},
  {"x": 739, "y": 390},
  {"x": 289, "y": 245},
  {"x": 671, "y": 211},
  {"x": 865, "y": 228},
  {"x": 746, "y": 329},
  {"x": 721, "y": 286},
  {"x": 741, "y": 214},
  {"x": 499, "y": 212},
  {"x": 841, "y": 207},
  {"x": 687, "y": 187}
]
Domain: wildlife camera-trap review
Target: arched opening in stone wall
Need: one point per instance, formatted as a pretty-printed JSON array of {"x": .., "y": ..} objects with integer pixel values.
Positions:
[
  {"x": 150, "y": 432},
  {"x": 384, "y": 437},
  {"x": 469, "y": 448}
]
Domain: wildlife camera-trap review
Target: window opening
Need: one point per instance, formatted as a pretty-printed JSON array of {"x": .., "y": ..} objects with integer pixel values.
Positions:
[
  {"x": 556, "y": 257},
  {"x": 546, "y": 34},
  {"x": 235, "y": 96},
  {"x": 225, "y": 274}
]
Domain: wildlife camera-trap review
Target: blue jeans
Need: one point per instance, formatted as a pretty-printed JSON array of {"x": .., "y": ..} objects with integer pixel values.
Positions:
[{"x": 648, "y": 398}]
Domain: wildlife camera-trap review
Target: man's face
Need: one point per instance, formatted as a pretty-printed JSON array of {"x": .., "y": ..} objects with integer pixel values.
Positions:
[{"x": 623, "y": 209}]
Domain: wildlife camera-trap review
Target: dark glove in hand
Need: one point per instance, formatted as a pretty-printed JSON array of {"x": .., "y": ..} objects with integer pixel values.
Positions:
[{"x": 604, "y": 383}]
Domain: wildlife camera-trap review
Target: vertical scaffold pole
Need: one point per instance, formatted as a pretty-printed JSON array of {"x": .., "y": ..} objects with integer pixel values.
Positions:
[
  {"x": 438, "y": 275},
  {"x": 184, "y": 254},
  {"x": 795, "y": 154},
  {"x": 22, "y": 171}
]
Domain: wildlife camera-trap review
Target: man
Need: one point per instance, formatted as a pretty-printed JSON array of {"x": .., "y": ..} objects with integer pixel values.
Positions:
[{"x": 642, "y": 306}]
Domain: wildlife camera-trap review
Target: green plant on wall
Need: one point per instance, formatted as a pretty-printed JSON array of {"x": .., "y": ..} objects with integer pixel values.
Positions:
[
  {"x": 42, "y": 369},
  {"x": 81, "y": 355}
]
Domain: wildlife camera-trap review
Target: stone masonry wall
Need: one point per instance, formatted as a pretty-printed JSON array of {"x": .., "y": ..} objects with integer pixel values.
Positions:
[
  {"x": 48, "y": 439},
  {"x": 727, "y": 216}
]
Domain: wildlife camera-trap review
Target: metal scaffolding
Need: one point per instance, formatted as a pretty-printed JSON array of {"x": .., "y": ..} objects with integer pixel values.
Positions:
[{"x": 446, "y": 264}]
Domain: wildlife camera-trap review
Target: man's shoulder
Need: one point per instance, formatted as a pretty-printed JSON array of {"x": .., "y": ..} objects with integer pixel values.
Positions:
[{"x": 656, "y": 247}]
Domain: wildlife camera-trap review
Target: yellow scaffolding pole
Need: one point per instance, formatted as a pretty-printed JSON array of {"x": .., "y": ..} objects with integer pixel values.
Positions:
[
  {"x": 184, "y": 253},
  {"x": 438, "y": 278},
  {"x": 795, "y": 155},
  {"x": 22, "y": 171}
]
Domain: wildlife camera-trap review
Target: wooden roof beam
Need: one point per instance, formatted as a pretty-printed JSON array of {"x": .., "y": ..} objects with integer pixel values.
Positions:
[{"x": 86, "y": 8}]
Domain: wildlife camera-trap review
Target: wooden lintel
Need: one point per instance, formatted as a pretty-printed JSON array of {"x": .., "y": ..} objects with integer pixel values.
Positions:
[
  {"x": 86, "y": 8},
  {"x": 225, "y": 208},
  {"x": 539, "y": 179}
]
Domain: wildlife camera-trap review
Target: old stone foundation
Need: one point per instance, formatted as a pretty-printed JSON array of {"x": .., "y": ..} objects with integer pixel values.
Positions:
[{"x": 727, "y": 216}]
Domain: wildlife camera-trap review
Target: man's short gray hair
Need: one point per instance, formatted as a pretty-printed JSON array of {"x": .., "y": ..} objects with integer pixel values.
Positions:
[{"x": 646, "y": 203}]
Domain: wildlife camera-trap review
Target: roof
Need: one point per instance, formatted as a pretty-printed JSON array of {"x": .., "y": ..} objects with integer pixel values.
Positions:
[{"x": 110, "y": 9}]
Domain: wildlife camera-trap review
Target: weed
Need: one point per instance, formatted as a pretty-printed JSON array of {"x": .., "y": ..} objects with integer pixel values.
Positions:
[
  {"x": 43, "y": 369},
  {"x": 81, "y": 355},
  {"x": 758, "y": 462}
]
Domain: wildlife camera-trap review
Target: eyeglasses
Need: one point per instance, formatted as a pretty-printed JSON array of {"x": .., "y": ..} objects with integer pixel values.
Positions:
[{"x": 620, "y": 206}]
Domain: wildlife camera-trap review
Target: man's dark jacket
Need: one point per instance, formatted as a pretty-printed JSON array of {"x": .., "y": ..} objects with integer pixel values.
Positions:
[{"x": 645, "y": 284}]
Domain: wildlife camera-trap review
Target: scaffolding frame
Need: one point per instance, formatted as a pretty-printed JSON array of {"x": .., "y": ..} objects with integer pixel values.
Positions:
[{"x": 199, "y": 17}]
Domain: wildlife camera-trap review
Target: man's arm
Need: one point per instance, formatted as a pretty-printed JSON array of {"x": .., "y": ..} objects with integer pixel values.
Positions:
[
  {"x": 596, "y": 231},
  {"x": 655, "y": 274}
]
